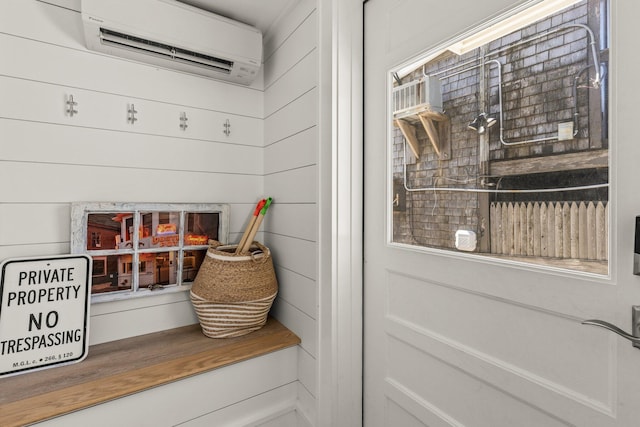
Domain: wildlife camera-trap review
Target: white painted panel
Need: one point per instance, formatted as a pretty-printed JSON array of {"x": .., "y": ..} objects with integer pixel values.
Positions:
[
  {"x": 34, "y": 223},
  {"x": 69, "y": 4},
  {"x": 184, "y": 400},
  {"x": 413, "y": 405},
  {"x": 399, "y": 417},
  {"x": 307, "y": 408},
  {"x": 298, "y": 150},
  {"x": 302, "y": 420},
  {"x": 235, "y": 237},
  {"x": 93, "y": 71},
  {"x": 296, "y": 81},
  {"x": 443, "y": 386},
  {"x": 294, "y": 220},
  {"x": 298, "y": 290},
  {"x": 290, "y": 419},
  {"x": 140, "y": 321},
  {"x": 241, "y": 213},
  {"x": 298, "y": 322},
  {"x": 563, "y": 403},
  {"x": 293, "y": 186},
  {"x": 15, "y": 251},
  {"x": 41, "y": 102},
  {"x": 291, "y": 138},
  {"x": 151, "y": 299},
  {"x": 297, "y": 46},
  {"x": 242, "y": 129},
  {"x": 43, "y": 20},
  {"x": 55, "y": 183},
  {"x": 286, "y": 25},
  {"x": 297, "y": 116},
  {"x": 296, "y": 255},
  {"x": 100, "y": 84},
  {"x": 526, "y": 334},
  {"x": 44, "y": 143},
  {"x": 307, "y": 372},
  {"x": 275, "y": 405}
]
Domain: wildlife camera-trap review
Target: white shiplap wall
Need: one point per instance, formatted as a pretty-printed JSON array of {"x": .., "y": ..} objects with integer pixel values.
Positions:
[
  {"x": 49, "y": 159},
  {"x": 291, "y": 173}
]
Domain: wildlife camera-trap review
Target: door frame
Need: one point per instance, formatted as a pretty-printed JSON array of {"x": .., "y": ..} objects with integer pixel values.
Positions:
[{"x": 340, "y": 209}]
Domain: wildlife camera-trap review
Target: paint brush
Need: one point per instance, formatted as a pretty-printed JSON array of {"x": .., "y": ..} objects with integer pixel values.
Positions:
[
  {"x": 256, "y": 226},
  {"x": 252, "y": 221}
]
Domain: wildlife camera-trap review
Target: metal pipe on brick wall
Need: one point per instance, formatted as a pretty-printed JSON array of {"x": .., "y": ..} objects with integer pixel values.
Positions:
[
  {"x": 502, "y": 140},
  {"x": 592, "y": 43},
  {"x": 596, "y": 83},
  {"x": 596, "y": 80}
]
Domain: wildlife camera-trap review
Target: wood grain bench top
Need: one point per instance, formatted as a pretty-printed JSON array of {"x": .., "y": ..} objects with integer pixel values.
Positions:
[{"x": 120, "y": 368}]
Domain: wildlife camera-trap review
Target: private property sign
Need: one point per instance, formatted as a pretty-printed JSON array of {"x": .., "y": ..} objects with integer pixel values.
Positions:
[{"x": 44, "y": 309}]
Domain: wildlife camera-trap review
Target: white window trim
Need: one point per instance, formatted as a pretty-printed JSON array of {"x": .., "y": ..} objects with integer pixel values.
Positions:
[
  {"x": 80, "y": 212},
  {"x": 501, "y": 25}
]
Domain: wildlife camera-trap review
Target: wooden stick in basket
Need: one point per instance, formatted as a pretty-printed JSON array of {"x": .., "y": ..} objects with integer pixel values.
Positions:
[
  {"x": 256, "y": 226},
  {"x": 252, "y": 221}
]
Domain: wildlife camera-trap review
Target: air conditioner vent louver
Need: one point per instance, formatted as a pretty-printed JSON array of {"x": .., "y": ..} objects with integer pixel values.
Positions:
[
  {"x": 150, "y": 47},
  {"x": 424, "y": 94}
]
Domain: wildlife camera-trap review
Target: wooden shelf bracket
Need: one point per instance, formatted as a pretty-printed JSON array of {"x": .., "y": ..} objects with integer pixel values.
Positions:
[{"x": 436, "y": 126}]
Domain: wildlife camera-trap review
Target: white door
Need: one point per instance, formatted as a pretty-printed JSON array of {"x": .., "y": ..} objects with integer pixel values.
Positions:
[{"x": 453, "y": 339}]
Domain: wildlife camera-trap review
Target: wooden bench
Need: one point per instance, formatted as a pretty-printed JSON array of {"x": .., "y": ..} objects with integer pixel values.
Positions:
[{"x": 121, "y": 368}]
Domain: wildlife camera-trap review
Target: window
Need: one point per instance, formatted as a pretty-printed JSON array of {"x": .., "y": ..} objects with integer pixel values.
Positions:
[
  {"x": 127, "y": 267},
  {"x": 145, "y": 247},
  {"x": 96, "y": 239},
  {"x": 99, "y": 266},
  {"x": 499, "y": 141}
]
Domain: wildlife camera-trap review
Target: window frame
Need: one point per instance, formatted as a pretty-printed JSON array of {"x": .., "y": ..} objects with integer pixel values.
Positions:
[
  {"x": 80, "y": 212},
  {"x": 494, "y": 29},
  {"x": 102, "y": 261}
]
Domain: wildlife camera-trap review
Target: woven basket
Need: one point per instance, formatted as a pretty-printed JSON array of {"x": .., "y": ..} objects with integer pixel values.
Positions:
[{"x": 232, "y": 294}]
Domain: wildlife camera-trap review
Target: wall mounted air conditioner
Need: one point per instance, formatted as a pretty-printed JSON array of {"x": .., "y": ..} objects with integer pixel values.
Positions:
[
  {"x": 174, "y": 35},
  {"x": 424, "y": 94}
]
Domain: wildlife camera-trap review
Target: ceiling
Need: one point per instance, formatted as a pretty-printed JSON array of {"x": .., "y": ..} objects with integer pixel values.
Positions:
[{"x": 262, "y": 14}]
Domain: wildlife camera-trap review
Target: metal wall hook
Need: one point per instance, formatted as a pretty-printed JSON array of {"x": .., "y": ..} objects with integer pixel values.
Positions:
[
  {"x": 183, "y": 121},
  {"x": 131, "y": 113},
  {"x": 227, "y": 128},
  {"x": 635, "y": 326},
  {"x": 71, "y": 104}
]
